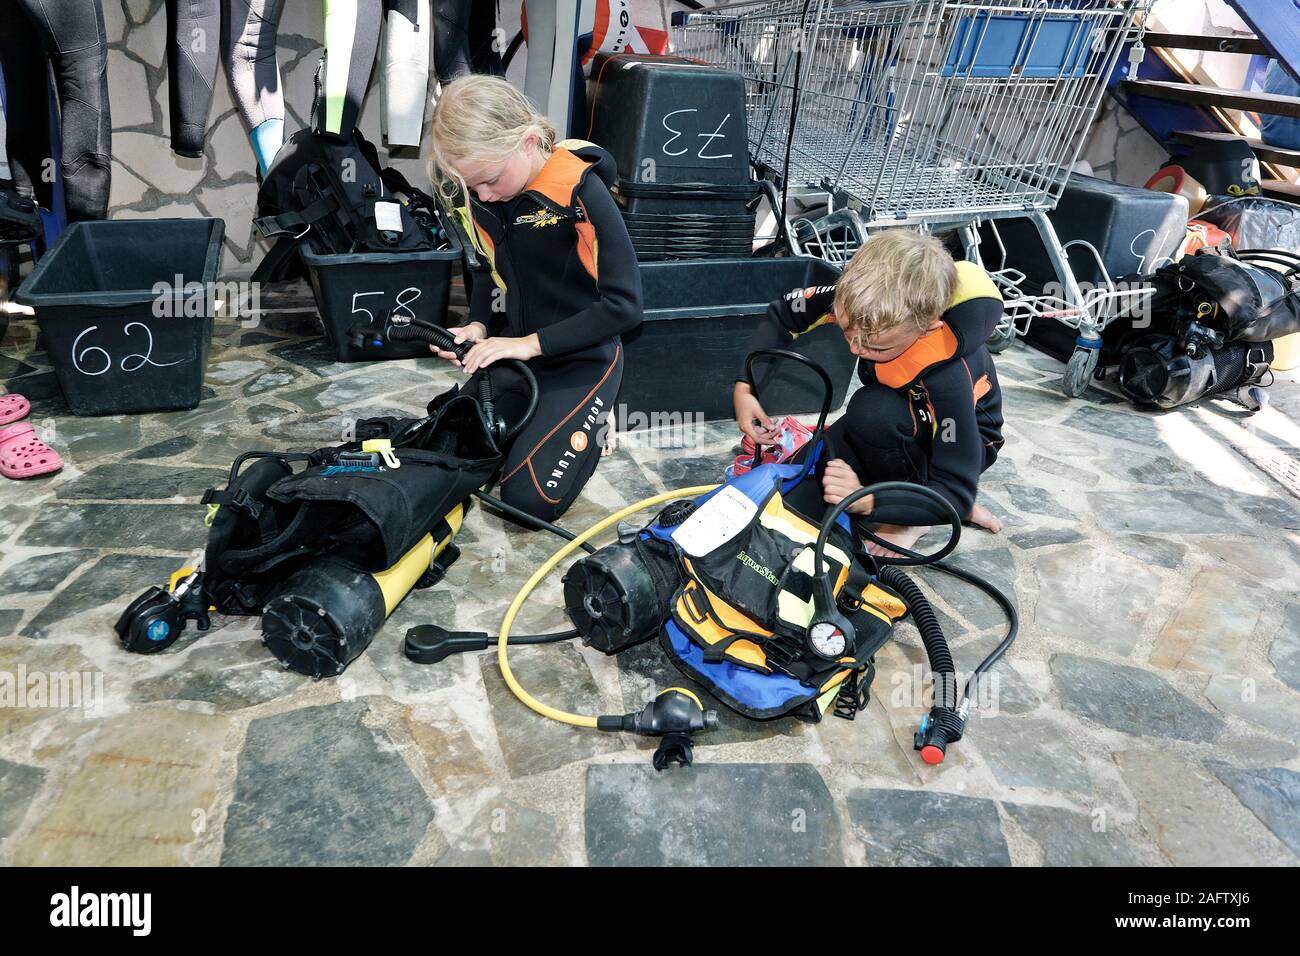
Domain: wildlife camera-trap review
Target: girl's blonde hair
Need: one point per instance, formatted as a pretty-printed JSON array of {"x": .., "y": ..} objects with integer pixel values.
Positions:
[{"x": 481, "y": 118}]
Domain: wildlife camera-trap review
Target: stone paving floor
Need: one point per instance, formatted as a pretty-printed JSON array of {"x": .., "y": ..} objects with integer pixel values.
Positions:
[{"x": 1149, "y": 713}]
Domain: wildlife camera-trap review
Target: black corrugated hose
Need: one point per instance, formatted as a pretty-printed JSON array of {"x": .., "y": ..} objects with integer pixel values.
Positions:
[
  {"x": 421, "y": 331},
  {"x": 947, "y": 719}
]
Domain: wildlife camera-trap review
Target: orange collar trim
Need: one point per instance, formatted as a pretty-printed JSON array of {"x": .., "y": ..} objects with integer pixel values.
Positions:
[
  {"x": 559, "y": 177},
  {"x": 930, "y": 349}
]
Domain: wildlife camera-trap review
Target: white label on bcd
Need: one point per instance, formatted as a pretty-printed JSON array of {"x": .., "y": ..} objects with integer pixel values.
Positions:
[
  {"x": 388, "y": 217},
  {"x": 715, "y": 522}
]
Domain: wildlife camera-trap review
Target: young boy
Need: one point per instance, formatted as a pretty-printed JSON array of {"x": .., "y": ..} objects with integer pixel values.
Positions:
[{"x": 929, "y": 410}]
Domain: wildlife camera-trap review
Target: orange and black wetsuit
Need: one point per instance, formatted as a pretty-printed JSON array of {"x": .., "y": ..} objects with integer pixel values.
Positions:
[
  {"x": 557, "y": 260},
  {"x": 932, "y": 416}
]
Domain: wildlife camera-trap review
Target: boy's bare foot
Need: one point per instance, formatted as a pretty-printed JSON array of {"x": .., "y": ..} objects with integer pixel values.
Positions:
[
  {"x": 902, "y": 535},
  {"x": 981, "y": 517}
]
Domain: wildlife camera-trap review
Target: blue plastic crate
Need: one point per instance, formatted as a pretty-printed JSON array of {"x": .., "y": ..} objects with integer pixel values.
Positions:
[{"x": 995, "y": 45}]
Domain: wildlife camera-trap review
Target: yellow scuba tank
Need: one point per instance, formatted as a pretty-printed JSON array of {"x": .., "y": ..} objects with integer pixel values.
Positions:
[{"x": 326, "y": 613}]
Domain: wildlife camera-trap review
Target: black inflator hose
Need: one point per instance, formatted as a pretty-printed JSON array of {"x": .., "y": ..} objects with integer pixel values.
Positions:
[
  {"x": 932, "y": 560},
  {"x": 887, "y": 572},
  {"x": 927, "y": 623},
  {"x": 417, "y": 330},
  {"x": 522, "y": 517},
  {"x": 1008, "y": 608}
]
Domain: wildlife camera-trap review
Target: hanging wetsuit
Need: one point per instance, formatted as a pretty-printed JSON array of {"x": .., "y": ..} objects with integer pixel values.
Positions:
[
  {"x": 407, "y": 35},
  {"x": 243, "y": 34},
  {"x": 465, "y": 39},
  {"x": 351, "y": 40},
  {"x": 559, "y": 259},
  {"x": 933, "y": 415},
  {"x": 248, "y": 48},
  {"x": 194, "y": 30},
  {"x": 6, "y": 176},
  {"x": 70, "y": 33}
]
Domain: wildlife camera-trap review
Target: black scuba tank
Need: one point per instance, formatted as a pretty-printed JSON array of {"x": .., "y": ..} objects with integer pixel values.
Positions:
[
  {"x": 1156, "y": 371},
  {"x": 327, "y": 612},
  {"x": 619, "y": 596},
  {"x": 610, "y": 597},
  {"x": 322, "y": 618}
]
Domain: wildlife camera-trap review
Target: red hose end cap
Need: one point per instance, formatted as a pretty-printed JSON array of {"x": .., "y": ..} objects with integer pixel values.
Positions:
[{"x": 931, "y": 754}]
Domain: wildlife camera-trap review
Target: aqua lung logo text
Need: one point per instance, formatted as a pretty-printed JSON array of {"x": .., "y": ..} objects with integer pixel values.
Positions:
[
  {"x": 75, "y": 909},
  {"x": 760, "y": 569},
  {"x": 579, "y": 441}
]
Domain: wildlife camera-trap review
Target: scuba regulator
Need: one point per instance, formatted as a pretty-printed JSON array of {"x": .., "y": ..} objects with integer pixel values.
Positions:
[
  {"x": 153, "y": 621},
  {"x": 676, "y": 715}
]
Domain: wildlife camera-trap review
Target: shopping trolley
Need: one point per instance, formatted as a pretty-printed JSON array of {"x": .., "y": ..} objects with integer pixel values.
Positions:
[{"x": 939, "y": 114}]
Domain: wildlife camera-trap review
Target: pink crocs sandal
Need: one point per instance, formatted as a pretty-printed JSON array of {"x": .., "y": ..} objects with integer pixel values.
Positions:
[
  {"x": 23, "y": 455},
  {"x": 13, "y": 407}
]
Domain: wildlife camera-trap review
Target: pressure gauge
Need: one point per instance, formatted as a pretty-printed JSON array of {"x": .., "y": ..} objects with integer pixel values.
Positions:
[{"x": 827, "y": 640}]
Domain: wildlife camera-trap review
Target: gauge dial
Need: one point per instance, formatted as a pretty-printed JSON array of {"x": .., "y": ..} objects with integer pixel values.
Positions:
[{"x": 827, "y": 640}]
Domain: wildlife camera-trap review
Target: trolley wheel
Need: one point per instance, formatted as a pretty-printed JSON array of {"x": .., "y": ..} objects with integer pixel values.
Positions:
[
  {"x": 1001, "y": 339},
  {"x": 1079, "y": 371}
]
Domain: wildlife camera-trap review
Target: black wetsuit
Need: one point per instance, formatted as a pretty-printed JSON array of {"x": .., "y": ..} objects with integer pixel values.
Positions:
[
  {"x": 557, "y": 260},
  {"x": 933, "y": 415},
  {"x": 69, "y": 36},
  {"x": 244, "y": 33}
]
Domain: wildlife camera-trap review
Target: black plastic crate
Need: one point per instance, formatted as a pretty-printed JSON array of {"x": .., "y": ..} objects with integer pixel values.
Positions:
[
  {"x": 682, "y": 361},
  {"x": 697, "y": 198},
  {"x": 688, "y": 220},
  {"x": 687, "y": 118},
  {"x": 123, "y": 331},
  {"x": 364, "y": 288},
  {"x": 649, "y": 255},
  {"x": 690, "y": 230},
  {"x": 687, "y": 249},
  {"x": 1133, "y": 229}
]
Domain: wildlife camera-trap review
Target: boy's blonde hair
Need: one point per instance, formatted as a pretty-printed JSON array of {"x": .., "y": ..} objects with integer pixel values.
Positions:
[
  {"x": 899, "y": 277},
  {"x": 481, "y": 118}
]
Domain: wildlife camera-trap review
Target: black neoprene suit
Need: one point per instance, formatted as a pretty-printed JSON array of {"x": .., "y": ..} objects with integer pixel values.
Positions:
[
  {"x": 243, "y": 34},
  {"x": 933, "y": 415},
  {"x": 70, "y": 33},
  {"x": 557, "y": 261},
  {"x": 351, "y": 40}
]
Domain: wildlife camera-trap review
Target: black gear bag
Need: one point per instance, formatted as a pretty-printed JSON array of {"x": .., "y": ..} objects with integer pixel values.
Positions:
[{"x": 322, "y": 191}]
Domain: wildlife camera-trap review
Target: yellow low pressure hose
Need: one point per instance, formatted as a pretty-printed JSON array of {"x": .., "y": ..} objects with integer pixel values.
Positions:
[{"x": 577, "y": 720}]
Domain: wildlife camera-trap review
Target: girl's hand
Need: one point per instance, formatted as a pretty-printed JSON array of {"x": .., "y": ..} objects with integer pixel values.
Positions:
[
  {"x": 750, "y": 417},
  {"x": 839, "y": 481},
  {"x": 474, "y": 332},
  {"x": 498, "y": 347}
]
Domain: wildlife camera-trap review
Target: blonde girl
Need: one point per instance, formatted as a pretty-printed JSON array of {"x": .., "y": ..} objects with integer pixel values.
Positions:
[{"x": 557, "y": 282}]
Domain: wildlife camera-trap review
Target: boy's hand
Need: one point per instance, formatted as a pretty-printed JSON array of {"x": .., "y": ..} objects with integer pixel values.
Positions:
[
  {"x": 750, "y": 417},
  {"x": 498, "y": 347},
  {"x": 474, "y": 332},
  {"x": 839, "y": 481}
]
